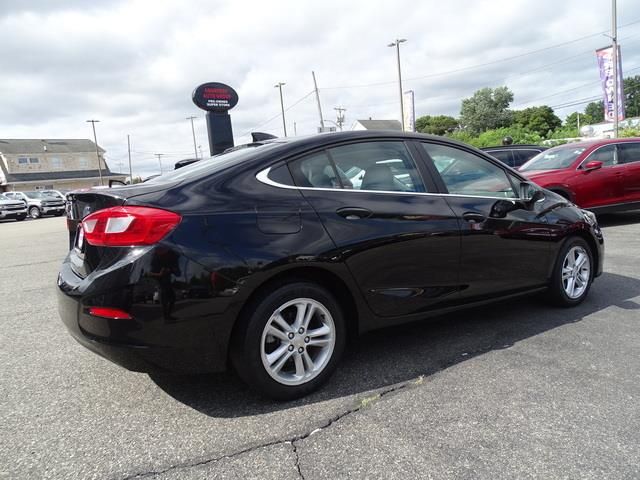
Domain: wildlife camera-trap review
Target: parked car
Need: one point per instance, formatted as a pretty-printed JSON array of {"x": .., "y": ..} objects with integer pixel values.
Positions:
[
  {"x": 266, "y": 258},
  {"x": 39, "y": 204},
  {"x": 9, "y": 208},
  {"x": 600, "y": 175},
  {"x": 55, "y": 193},
  {"x": 514, "y": 155}
]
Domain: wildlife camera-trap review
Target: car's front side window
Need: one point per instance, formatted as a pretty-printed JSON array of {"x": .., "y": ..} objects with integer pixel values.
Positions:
[
  {"x": 606, "y": 155},
  {"x": 464, "y": 173},
  {"x": 373, "y": 166}
]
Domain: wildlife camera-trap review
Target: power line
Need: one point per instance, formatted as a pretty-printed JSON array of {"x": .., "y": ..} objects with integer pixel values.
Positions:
[
  {"x": 278, "y": 115},
  {"x": 473, "y": 67}
]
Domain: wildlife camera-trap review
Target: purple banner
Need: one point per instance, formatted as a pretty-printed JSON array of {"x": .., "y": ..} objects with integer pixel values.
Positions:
[{"x": 605, "y": 64}]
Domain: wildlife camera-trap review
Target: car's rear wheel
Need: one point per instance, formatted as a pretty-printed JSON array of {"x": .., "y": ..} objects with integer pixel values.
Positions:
[
  {"x": 21, "y": 217},
  {"x": 290, "y": 341},
  {"x": 34, "y": 212},
  {"x": 573, "y": 273}
]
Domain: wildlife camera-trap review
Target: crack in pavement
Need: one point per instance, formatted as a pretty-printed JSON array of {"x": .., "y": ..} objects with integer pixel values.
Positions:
[{"x": 362, "y": 404}]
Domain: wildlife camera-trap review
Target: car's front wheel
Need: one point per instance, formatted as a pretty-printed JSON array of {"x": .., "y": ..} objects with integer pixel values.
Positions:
[
  {"x": 573, "y": 273},
  {"x": 290, "y": 341},
  {"x": 34, "y": 212}
]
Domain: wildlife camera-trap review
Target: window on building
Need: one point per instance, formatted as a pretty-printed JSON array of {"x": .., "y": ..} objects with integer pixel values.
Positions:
[
  {"x": 34, "y": 160},
  {"x": 55, "y": 162},
  {"x": 23, "y": 160},
  {"x": 84, "y": 162}
]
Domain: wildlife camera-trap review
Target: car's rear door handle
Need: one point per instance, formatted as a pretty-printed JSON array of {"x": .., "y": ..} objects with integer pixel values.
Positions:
[
  {"x": 354, "y": 213},
  {"x": 473, "y": 217}
]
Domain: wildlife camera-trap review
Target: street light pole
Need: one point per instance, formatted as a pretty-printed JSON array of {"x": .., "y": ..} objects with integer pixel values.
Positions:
[
  {"x": 396, "y": 44},
  {"x": 193, "y": 130},
  {"x": 95, "y": 140},
  {"x": 159, "y": 155},
  {"x": 614, "y": 38},
  {"x": 340, "y": 116},
  {"x": 284, "y": 123}
]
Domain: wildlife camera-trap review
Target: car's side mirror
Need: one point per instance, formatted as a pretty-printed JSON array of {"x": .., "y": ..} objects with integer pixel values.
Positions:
[
  {"x": 529, "y": 194},
  {"x": 592, "y": 165}
]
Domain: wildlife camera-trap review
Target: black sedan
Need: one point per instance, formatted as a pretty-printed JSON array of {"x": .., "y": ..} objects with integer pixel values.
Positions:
[{"x": 268, "y": 257}]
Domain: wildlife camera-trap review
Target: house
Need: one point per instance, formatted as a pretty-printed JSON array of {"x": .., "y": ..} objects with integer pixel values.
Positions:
[
  {"x": 376, "y": 125},
  {"x": 51, "y": 164}
]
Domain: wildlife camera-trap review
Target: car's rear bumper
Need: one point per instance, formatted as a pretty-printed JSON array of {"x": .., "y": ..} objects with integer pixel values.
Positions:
[{"x": 189, "y": 339}]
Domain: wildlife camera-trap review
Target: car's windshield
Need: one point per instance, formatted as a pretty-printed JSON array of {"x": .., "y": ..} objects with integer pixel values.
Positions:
[
  {"x": 3, "y": 197},
  {"x": 34, "y": 194},
  {"x": 553, "y": 159},
  {"x": 214, "y": 164}
]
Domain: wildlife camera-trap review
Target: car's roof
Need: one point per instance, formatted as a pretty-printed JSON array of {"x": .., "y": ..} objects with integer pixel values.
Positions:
[
  {"x": 515, "y": 147},
  {"x": 599, "y": 142}
]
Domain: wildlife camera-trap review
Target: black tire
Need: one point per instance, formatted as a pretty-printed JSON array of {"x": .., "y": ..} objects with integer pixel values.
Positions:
[
  {"x": 21, "y": 218},
  {"x": 557, "y": 293},
  {"x": 34, "y": 212},
  {"x": 245, "y": 348}
]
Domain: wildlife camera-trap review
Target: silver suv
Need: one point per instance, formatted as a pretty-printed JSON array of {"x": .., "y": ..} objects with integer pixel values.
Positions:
[
  {"x": 39, "y": 204},
  {"x": 12, "y": 208}
]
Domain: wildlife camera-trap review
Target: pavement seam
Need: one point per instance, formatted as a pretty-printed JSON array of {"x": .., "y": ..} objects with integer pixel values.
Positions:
[{"x": 362, "y": 404}]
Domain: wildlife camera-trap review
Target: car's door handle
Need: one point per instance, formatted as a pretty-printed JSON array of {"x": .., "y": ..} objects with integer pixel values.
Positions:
[
  {"x": 473, "y": 217},
  {"x": 354, "y": 213}
]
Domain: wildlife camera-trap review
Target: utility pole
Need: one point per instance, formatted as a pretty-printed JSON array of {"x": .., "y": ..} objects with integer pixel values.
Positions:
[
  {"x": 95, "y": 140},
  {"x": 200, "y": 148},
  {"x": 340, "y": 116},
  {"x": 578, "y": 123},
  {"x": 295, "y": 130},
  {"x": 195, "y": 149},
  {"x": 396, "y": 44},
  {"x": 130, "y": 169},
  {"x": 159, "y": 155},
  {"x": 614, "y": 38},
  {"x": 284, "y": 123},
  {"x": 315, "y": 87}
]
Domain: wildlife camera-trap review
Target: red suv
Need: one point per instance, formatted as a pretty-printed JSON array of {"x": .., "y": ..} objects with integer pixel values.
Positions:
[{"x": 601, "y": 175}]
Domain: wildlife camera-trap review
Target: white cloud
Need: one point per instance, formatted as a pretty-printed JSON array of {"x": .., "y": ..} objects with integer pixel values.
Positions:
[{"x": 134, "y": 64}]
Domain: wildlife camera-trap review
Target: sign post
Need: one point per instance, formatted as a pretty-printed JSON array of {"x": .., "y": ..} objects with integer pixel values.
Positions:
[{"x": 217, "y": 99}]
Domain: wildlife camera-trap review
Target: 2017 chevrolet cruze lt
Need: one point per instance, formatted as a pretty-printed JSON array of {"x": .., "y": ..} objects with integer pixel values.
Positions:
[{"x": 267, "y": 257}]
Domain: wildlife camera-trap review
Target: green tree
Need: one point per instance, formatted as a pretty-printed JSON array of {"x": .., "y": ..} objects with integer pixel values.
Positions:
[
  {"x": 436, "y": 125},
  {"x": 594, "y": 113},
  {"x": 487, "y": 109},
  {"x": 632, "y": 96},
  {"x": 540, "y": 120}
]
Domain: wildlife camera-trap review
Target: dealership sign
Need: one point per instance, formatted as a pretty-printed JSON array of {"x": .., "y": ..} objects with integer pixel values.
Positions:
[
  {"x": 605, "y": 64},
  {"x": 215, "y": 97}
]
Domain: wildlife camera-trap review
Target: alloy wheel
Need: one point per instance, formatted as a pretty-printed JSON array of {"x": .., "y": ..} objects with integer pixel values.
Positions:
[
  {"x": 298, "y": 341},
  {"x": 576, "y": 272}
]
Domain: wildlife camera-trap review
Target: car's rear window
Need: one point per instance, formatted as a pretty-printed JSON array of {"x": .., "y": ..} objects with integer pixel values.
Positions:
[
  {"x": 215, "y": 164},
  {"x": 553, "y": 159}
]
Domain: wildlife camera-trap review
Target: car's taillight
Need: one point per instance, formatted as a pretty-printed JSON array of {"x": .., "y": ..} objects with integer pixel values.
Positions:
[
  {"x": 128, "y": 226},
  {"x": 106, "y": 312}
]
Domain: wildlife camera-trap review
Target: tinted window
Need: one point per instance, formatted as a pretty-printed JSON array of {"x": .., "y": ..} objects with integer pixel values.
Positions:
[
  {"x": 381, "y": 166},
  {"x": 520, "y": 157},
  {"x": 466, "y": 174},
  {"x": 315, "y": 171},
  {"x": 606, "y": 155},
  {"x": 281, "y": 175},
  {"x": 503, "y": 155},
  {"x": 628, "y": 152}
]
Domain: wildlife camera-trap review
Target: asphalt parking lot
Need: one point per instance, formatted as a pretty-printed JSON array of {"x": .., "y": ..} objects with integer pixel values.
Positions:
[{"x": 517, "y": 390}]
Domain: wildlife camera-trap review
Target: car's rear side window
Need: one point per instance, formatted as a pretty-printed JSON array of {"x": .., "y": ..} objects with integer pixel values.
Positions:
[
  {"x": 520, "y": 157},
  {"x": 504, "y": 156},
  {"x": 373, "y": 166},
  {"x": 628, "y": 152}
]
